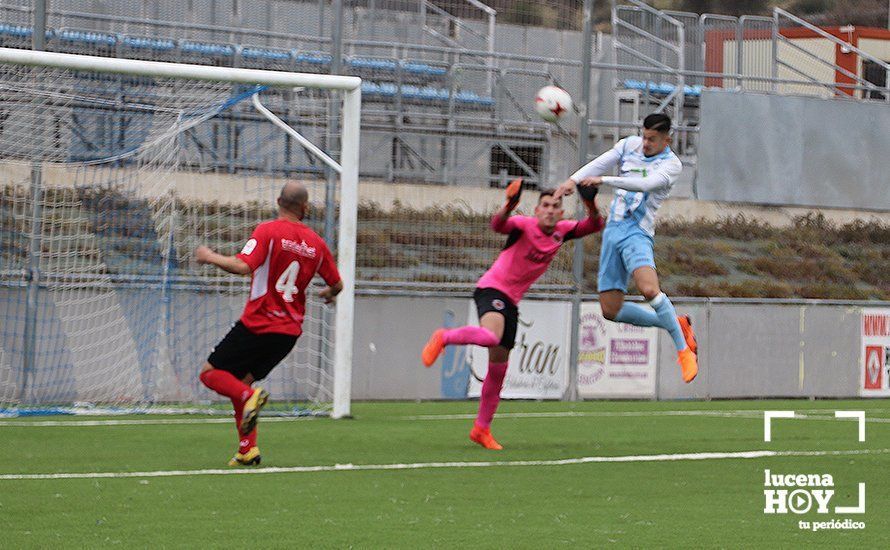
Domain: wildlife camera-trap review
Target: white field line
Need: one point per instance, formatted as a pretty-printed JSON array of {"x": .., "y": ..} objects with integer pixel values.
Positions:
[
  {"x": 811, "y": 414},
  {"x": 441, "y": 465},
  {"x": 808, "y": 414},
  {"x": 135, "y": 422}
]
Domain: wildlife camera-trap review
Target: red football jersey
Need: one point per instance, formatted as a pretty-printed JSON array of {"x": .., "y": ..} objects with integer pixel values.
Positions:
[{"x": 283, "y": 257}]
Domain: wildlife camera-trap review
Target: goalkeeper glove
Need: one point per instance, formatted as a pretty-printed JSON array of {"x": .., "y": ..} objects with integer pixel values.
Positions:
[
  {"x": 587, "y": 192},
  {"x": 514, "y": 191}
]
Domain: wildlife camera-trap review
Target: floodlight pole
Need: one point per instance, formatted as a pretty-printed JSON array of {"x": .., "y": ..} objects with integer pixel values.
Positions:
[{"x": 583, "y": 143}]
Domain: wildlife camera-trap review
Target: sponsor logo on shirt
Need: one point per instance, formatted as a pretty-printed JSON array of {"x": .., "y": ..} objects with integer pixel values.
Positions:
[
  {"x": 248, "y": 247},
  {"x": 299, "y": 248},
  {"x": 538, "y": 257}
]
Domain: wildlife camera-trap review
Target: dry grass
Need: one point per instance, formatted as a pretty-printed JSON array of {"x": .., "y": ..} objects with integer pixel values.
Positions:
[{"x": 736, "y": 256}]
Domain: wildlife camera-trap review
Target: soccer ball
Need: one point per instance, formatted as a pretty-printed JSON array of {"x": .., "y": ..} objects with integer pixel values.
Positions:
[{"x": 552, "y": 103}]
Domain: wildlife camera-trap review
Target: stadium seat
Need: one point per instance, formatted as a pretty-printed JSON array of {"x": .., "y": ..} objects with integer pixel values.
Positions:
[
  {"x": 423, "y": 69},
  {"x": 210, "y": 49},
  {"x": 660, "y": 88},
  {"x": 312, "y": 58},
  {"x": 18, "y": 36},
  {"x": 266, "y": 54},
  {"x": 15, "y": 30},
  {"x": 146, "y": 43},
  {"x": 86, "y": 37},
  {"x": 393, "y": 65},
  {"x": 425, "y": 94}
]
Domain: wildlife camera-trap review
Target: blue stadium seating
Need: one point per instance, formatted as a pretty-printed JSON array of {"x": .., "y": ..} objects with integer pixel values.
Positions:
[
  {"x": 16, "y": 30},
  {"x": 86, "y": 37},
  {"x": 313, "y": 58},
  {"x": 423, "y": 68},
  {"x": 268, "y": 54},
  {"x": 424, "y": 93},
  {"x": 391, "y": 65},
  {"x": 660, "y": 88},
  {"x": 383, "y": 69},
  {"x": 211, "y": 49},
  {"x": 145, "y": 43}
]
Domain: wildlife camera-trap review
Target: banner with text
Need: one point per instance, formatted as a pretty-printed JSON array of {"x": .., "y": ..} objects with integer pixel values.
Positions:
[
  {"x": 539, "y": 361},
  {"x": 614, "y": 359},
  {"x": 875, "y": 364}
]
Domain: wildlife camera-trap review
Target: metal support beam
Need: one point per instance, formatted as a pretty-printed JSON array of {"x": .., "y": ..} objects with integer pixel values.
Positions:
[
  {"x": 583, "y": 143},
  {"x": 38, "y": 42}
]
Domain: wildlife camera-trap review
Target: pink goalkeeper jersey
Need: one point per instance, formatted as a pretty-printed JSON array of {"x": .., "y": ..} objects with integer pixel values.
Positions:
[{"x": 529, "y": 251}]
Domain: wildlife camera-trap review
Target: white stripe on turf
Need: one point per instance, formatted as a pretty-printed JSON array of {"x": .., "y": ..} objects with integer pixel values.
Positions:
[
  {"x": 136, "y": 422},
  {"x": 434, "y": 465},
  {"x": 805, "y": 414}
]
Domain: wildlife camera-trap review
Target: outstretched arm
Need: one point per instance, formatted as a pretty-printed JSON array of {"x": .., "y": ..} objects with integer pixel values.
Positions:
[
  {"x": 644, "y": 184},
  {"x": 591, "y": 224},
  {"x": 663, "y": 177},
  {"x": 597, "y": 167},
  {"x": 232, "y": 264},
  {"x": 590, "y": 205},
  {"x": 500, "y": 222}
]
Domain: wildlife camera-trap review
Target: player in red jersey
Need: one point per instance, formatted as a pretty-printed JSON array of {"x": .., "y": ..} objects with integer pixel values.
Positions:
[{"x": 282, "y": 255}]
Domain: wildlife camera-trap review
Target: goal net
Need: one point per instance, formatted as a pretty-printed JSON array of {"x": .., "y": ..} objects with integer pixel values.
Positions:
[{"x": 112, "y": 172}]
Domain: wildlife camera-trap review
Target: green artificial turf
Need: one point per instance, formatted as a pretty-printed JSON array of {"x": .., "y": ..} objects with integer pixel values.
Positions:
[{"x": 669, "y": 504}]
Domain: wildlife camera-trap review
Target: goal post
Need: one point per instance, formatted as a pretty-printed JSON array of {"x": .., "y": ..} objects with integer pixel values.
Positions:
[{"x": 157, "y": 167}]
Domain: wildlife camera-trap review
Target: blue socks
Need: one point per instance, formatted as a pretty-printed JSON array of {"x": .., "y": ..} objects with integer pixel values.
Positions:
[
  {"x": 637, "y": 315},
  {"x": 664, "y": 316},
  {"x": 667, "y": 317}
]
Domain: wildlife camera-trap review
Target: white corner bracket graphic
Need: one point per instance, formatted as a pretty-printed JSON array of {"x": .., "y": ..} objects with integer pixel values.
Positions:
[
  {"x": 860, "y": 417},
  {"x": 854, "y": 509},
  {"x": 767, "y": 422}
]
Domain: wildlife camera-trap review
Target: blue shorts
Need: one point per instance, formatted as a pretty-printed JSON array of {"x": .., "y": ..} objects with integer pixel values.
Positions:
[{"x": 625, "y": 248}]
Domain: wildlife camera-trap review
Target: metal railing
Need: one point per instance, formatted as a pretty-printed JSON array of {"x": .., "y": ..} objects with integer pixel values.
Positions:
[
  {"x": 647, "y": 35},
  {"x": 483, "y": 96},
  {"x": 779, "y": 15}
]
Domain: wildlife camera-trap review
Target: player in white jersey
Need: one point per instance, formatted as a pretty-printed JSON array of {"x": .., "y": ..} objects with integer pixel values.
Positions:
[{"x": 648, "y": 169}]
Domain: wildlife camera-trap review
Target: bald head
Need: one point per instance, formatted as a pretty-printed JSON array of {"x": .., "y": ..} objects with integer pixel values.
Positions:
[{"x": 294, "y": 198}]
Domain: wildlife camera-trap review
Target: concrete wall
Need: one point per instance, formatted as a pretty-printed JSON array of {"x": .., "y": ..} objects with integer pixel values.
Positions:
[
  {"x": 775, "y": 350},
  {"x": 767, "y": 149},
  {"x": 748, "y": 349}
]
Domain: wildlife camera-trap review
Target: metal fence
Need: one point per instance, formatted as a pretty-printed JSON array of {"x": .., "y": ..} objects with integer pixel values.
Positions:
[
  {"x": 448, "y": 100},
  {"x": 449, "y": 85}
]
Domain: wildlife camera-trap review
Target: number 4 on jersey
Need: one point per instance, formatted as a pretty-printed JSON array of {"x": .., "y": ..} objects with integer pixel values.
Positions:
[{"x": 287, "y": 282}]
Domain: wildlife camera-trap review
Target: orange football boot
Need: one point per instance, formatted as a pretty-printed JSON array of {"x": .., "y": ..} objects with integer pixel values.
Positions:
[
  {"x": 688, "y": 333},
  {"x": 433, "y": 348},
  {"x": 688, "y": 364},
  {"x": 483, "y": 437}
]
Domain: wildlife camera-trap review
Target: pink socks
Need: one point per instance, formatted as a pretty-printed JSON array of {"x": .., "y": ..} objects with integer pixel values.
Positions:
[
  {"x": 479, "y": 336},
  {"x": 491, "y": 393}
]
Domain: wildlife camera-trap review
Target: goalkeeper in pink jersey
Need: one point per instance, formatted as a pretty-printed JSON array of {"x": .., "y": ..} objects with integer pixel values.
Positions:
[{"x": 532, "y": 243}]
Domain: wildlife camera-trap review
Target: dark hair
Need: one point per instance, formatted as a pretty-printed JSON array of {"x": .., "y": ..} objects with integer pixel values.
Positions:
[
  {"x": 659, "y": 122},
  {"x": 545, "y": 193}
]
